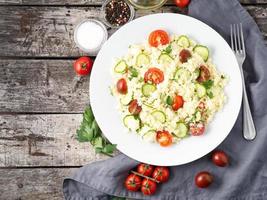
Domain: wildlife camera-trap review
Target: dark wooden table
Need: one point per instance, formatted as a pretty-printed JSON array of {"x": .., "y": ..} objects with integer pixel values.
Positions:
[{"x": 41, "y": 101}]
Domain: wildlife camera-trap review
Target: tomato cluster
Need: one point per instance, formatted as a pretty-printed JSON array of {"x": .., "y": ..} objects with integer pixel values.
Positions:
[{"x": 146, "y": 177}]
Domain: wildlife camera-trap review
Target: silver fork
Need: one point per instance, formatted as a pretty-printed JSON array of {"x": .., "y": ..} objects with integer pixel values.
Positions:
[{"x": 238, "y": 47}]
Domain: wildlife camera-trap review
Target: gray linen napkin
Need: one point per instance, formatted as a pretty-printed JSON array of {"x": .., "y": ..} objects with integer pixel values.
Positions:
[{"x": 246, "y": 177}]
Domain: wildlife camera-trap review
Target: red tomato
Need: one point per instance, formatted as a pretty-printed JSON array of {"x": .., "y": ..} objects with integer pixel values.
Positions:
[
  {"x": 158, "y": 37},
  {"x": 154, "y": 75},
  {"x": 149, "y": 187},
  {"x": 184, "y": 55},
  {"x": 178, "y": 102},
  {"x": 204, "y": 74},
  {"x": 203, "y": 179},
  {"x": 122, "y": 86},
  {"x": 161, "y": 174},
  {"x": 133, "y": 182},
  {"x": 197, "y": 129},
  {"x": 220, "y": 158},
  {"x": 145, "y": 169},
  {"x": 182, "y": 3},
  {"x": 164, "y": 138},
  {"x": 83, "y": 66},
  {"x": 134, "y": 108}
]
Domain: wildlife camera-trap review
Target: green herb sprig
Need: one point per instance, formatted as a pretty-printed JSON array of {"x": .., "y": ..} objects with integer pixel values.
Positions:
[{"x": 89, "y": 131}]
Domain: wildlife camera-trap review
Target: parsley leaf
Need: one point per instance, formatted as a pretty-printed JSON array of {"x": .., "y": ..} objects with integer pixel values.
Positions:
[
  {"x": 133, "y": 72},
  {"x": 210, "y": 94},
  {"x": 208, "y": 84},
  {"x": 89, "y": 131},
  {"x": 168, "y": 50}
]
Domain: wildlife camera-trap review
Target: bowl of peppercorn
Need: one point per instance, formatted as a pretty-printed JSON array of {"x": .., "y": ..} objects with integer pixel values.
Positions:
[{"x": 117, "y": 13}]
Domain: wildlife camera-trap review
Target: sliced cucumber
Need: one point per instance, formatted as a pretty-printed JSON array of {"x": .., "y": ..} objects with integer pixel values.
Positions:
[
  {"x": 202, "y": 51},
  {"x": 159, "y": 116},
  {"x": 142, "y": 59},
  {"x": 165, "y": 58},
  {"x": 181, "y": 130},
  {"x": 131, "y": 122},
  {"x": 196, "y": 73},
  {"x": 150, "y": 136},
  {"x": 147, "y": 89},
  {"x": 183, "y": 41},
  {"x": 121, "y": 67},
  {"x": 182, "y": 73},
  {"x": 126, "y": 99},
  {"x": 197, "y": 116},
  {"x": 201, "y": 90}
]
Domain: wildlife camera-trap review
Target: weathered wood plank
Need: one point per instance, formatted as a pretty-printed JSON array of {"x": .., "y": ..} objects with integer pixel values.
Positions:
[
  {"x": 43, "y": 140},
  {"x": 42, "y": 86},
  {"x": 48, "y": 31},
  {"x": 32, "y": 184},
  {"x": 90, "y": 2}
]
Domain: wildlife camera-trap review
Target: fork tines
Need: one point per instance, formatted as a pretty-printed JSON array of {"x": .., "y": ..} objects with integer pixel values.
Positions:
[{"x": 237, "y": 38}]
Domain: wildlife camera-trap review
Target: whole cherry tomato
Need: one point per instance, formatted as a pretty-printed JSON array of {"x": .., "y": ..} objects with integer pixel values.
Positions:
[
  {"x": 145, "y": 169},
  {"x": 134, "y": 108},
  {"x": 83, "y": 66},
  {"x": 161, "y": 174},
  {"x": 182, "y": 3},
  {"x": 158, "y": 37},
  {"x": 184, "y": 55},
  {"x": 203, "y": 179},
  {"x": 164, "y": 138},
  {"x": 122, "y": 87},
  {"x": 220, "y": 158},
  {"x": 133, "y": 182},
  {"x": 149, "y": 187},
  {"x": 154, "y": 75}
]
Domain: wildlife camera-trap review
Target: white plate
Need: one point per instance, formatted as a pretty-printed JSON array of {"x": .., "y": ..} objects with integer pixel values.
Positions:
[{"x": 104, "y": 105}]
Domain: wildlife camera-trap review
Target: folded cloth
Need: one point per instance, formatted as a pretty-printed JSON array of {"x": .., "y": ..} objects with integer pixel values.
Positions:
[{"x": 245, "y": 177}]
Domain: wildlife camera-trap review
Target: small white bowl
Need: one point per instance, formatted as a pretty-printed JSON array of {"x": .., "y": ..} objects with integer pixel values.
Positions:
[{"x": 92, "y": 51}]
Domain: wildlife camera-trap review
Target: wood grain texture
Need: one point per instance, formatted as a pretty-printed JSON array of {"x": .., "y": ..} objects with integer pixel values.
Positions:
[
  {"x": 90, "y": 2},
  {"x": 42, "y": 86},
  {"x": 48, "y": 31},
  {"x": 33, "y": 184},
  {"x": 43, "y": 140}
]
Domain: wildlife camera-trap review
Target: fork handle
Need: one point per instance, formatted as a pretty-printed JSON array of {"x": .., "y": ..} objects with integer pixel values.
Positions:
[{"x": 249, "y": 131}]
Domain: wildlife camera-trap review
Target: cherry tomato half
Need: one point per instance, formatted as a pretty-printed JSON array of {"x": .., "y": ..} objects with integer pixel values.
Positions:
[
  {"x": 122, "y": 87},
  {"x": 203, "y": 179},
  {"x": 133, "y": 182},
  {"x": 182, "y": 3},
  {"x": 158, "y": 37},
  {"x": 161, "y": 174},
  {"x": 154, "y": 75},
  {"x": 178, "y": 102},
  {"x": 204, "y": 74},
  {"x": 83, "y": 66},
  {"x": 164, "y": 138},
  {"x": 134, "y": 108},
  {"x": 220, "y": 158},
  {"x": 184, "y": 55},
  {"x": 197, "y": 129},
  {"x": 149, "y": 187},
  {"x": 145, "y": 169}
]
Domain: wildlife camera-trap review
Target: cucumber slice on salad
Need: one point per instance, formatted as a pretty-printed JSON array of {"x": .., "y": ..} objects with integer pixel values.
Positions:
[
  {"x": 150, "y": 136},
  {"x": 121, "y": 67},
  {"x": 159, "y": 116},
  {"x": 126, "y": 99},
  {"x": 165, "y": 58},
  {"x": 142, "y": 59},
  {"x": 183, "y": 41},
  {"x": 181, "y": 130},
  {"x": 147, "y": 89},
  {"x": 131, "y": 122},
  {"x": 202, "y": 51},
  {"x": 182, "y": 73},
  {"x": 201, "y": 90}
]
